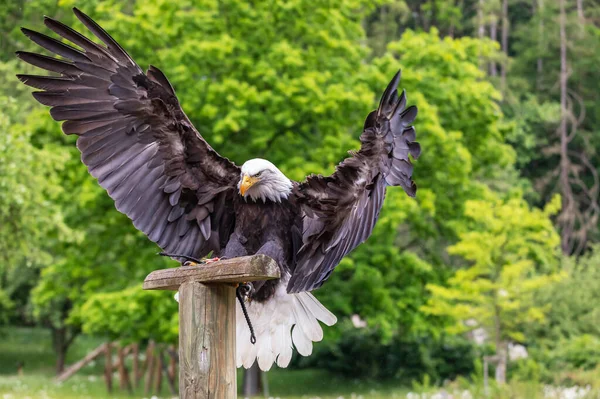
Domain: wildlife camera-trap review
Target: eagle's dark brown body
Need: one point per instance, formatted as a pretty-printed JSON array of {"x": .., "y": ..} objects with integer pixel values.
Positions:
[{"x": 269, "y": 228}]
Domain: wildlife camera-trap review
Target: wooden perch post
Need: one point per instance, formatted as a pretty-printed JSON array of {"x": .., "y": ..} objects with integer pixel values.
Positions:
[{"x": 207, "y": 320}]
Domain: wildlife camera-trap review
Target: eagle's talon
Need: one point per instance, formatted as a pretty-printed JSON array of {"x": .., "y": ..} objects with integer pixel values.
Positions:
[
  {"x": 246, "y": 289},
  {"x": 190, "y": 263}
]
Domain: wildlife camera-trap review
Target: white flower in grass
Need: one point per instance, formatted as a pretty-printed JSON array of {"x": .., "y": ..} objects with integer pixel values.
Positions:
[{"x": 517, "y": 351}]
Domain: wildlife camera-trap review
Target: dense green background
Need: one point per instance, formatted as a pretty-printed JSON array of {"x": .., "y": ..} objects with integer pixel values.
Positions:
[{"x": 485, "y": 241}]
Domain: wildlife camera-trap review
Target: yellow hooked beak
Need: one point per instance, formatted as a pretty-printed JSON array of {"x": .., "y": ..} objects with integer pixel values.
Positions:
[{"x": 247, "y": 182}]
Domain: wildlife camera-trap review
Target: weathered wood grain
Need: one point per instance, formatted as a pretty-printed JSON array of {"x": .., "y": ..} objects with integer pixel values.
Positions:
[
  {"x": 236, "y": 270},
  {"x": 207, "y": 341},
  {"x": 207, "y": 321}
]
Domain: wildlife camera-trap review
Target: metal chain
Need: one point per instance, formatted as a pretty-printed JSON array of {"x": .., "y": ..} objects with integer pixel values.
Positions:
[{"x": 241, "y": 291}]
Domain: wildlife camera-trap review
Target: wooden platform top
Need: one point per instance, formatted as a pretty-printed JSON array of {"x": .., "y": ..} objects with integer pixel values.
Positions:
[{"x": 236, "y": 270}]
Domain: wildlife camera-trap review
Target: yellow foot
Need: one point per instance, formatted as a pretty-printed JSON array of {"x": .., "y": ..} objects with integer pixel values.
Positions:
[
  {"x": 203, "y": 262},
  {"x": 190, "y": 263}
]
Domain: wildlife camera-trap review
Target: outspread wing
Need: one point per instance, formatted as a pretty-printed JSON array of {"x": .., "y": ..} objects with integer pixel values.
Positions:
[
  {"x": 339, "y": 211},
  {"x": 135, "y": 139}
]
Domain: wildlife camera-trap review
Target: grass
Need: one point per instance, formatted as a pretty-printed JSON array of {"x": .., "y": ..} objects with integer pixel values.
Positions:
[
  {"x": 296, "y": 384},
  {"x": 32, "y": 346}
]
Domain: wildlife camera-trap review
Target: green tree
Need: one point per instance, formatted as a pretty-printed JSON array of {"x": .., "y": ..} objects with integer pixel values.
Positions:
[
  {"x": 460, "y": 129},
  {"x": 31, "y": 221},
  {"x": 385, "y": 25},
  {"x": 555, "y": 57},
  {"x": 512, "y": 251},
  {"x": 569, "y": 339},
  {"x": 132, "y": 315}
]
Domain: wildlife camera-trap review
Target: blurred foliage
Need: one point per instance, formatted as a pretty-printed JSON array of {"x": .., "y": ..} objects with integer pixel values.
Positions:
[
  {"x": 513, "y": 254},
  {"x": 132, "y": 315},
  {"x": 574, "y": 300},
  {"x": 536, "y": 67},
  {"x": 398, "y": 359},
  {"x": 32, "y": 220},
  {"x": 292, "y": 82},
  {"x": 570, "y": 339},
  {"x": 384, "y": 280}
]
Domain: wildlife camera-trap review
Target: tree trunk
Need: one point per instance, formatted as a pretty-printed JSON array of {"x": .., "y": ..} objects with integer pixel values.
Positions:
[
  {"x": 502, "y": 363},
  {"x": 61, "y": 355},
  {"x": 580, "y": 11},
  {"x": 505, "y": 27},
  {"x": 494, "y": 37},
  {"x": 486, "y": 375},
  {"x": 500, "y": 348},
  {"x": 252, "y": 382},
  {"x": 383, "y": 18},
  {"x": 540, "y": 61},
  {"x": 480, "y": 30},
  {"x": 565, "y": 188},
  {"x": 433, "y": 21},
  {"x": 424, "y": 19},
  {"x": 264, "y": 383},
  {"x": 61, "y": 341},
  {"x": 480, "y": 23}
]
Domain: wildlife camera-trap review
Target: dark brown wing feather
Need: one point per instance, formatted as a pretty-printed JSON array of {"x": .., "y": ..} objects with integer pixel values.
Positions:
[
  {"x": 136, "y": 140},
  {"x": 339, "y": 211}
]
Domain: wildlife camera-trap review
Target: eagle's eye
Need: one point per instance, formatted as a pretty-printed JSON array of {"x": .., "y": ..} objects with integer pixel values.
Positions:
[{"x": 258, "y": 174}]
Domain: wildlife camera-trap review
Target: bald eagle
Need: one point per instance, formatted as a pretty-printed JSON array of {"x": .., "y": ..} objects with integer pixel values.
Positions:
[{"x": 136, "y": 140}]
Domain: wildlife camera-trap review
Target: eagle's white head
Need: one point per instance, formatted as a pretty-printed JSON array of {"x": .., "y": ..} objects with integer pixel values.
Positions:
[{"x": 261, "y": 179}]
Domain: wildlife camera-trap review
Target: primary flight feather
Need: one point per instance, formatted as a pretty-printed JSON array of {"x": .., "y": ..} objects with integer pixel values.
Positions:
[{"x": 137, "y": 141}]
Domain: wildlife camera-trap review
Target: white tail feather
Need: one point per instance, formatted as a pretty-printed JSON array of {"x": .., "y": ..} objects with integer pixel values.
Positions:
[
  {"x": 283, "y": 321},
  {"x": 310, "y": 326},
  {"x": 317, "y": 309},
  {"x": 301, "y": 342}
]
